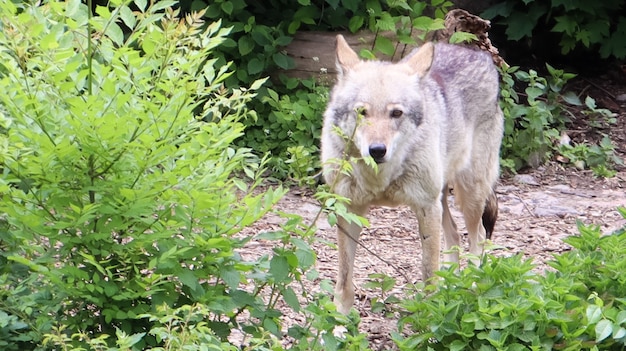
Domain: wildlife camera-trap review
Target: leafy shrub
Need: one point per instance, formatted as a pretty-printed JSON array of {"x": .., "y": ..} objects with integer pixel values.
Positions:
[
  {"x": 504, "y": 305},
  {"x": 592, "y": 24},
  {"x": 533, "y": 124},
  {"x": 115, "y": 198},
  {"x": 598, "y": 157},
  {"x": 290, "y": 130},
  {"x": 536, "y": 116}
]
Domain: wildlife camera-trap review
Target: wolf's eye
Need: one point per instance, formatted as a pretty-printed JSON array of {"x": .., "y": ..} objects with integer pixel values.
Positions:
[{"x": 395, "y": 113}]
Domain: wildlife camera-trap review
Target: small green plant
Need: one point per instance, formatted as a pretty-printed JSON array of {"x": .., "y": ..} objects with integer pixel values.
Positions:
[
  {"x": 535, "y": 118},
  {"x": 599, "y": 157},
  {"x": 600, "y": 118},
  {"x": 383, "y": 283}
]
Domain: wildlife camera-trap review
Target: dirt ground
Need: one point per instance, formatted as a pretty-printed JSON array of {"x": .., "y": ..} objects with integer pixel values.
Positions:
[{"x": 537, "y": 209}]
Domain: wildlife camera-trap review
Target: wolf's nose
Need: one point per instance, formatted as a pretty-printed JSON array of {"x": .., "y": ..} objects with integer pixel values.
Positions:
[{"x": 378, "y": 151}]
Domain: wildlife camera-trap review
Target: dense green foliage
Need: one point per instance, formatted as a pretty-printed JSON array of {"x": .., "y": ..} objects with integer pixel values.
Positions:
[
  {"x": 594, "y": 25},
  {"x": 533, "y": 124},
  {"x": 505, "y": 305}
]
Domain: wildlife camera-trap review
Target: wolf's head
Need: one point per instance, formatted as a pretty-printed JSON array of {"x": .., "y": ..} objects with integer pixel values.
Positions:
[{"x": 382, "y": 100}]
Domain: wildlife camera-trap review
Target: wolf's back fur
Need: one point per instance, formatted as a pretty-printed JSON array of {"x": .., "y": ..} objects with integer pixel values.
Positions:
[{"x": 431, "y": 122}]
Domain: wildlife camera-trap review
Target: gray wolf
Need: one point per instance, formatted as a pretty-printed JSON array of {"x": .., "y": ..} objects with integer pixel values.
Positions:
[{"x": 431, "y": 122}]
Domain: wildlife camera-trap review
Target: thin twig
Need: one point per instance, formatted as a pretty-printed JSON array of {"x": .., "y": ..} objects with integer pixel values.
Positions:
[
  {"x": 601, "y": 88},
  {"x": 525, "y": 205},
  {"x": 396, "y": 268}
]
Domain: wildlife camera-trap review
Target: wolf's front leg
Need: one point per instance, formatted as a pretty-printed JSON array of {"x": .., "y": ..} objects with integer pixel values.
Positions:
[
  {"x": 429, "y": 218},
  {"x": 347, "y": 239}
]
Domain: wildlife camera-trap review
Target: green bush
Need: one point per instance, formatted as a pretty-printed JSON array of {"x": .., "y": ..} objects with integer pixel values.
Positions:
[
  {"x": 536, "y": 116},
  {"x": 504, "y": 305},
  {"x": 115, "y": 198},
  {"x": 532, "y": 123}
]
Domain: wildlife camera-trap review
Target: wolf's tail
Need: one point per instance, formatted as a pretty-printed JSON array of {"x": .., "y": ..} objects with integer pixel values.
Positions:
[{"x": 490, "y": 213}]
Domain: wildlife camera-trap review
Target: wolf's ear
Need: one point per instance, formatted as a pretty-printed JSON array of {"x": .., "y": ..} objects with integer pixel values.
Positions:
[
  {"x": 420, "y": 62},
  {"x": 346, "y": 57}
]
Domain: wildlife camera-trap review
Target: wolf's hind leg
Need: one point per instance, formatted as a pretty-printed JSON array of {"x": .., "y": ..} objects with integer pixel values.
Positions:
[
  {"x": 347, "y": 240},
  {"x": 451, "y": 237},
  {"x": 471, "y": 197},
  {"x": 490, "y": 213}
]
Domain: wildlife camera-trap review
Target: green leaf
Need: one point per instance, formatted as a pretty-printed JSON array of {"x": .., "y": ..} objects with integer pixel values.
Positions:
[
  {"x": 618, "y": 332},
  {"x": 334, "y": 4},
  {"x": 458, "y": 345},
  {"x": 386, "y": 22},
  {"x": 245, "y": 44},
  {"x": 255, "y": 66},
  {"x": 590, "y": 103},
  {"x": 533, "y": 93},
  {"x": 423, "y": 22},
  {"x": 603, "y": 329},
  {"x": 571, "y": 98},
  {"x": 564, "y": 24},
  {"x": 621, "y": 317},
  {"x": 115, "y": 33},
  {"x": 281, "y": 60},
  {"x": 279, "y": 268},
  {"x": 141, "y": 4},
  {"x": 49, "y": 41},
  {"x": 293, "y": 27},
  {"x": 462, "y": 37},
  {"x": 355, "y": 23},
  {"x": 188, "y": 278},
  {"x": 384, "y": 45},
  {"x": 103, "y": 11},
  {"x": 133, "y": 339},
  {"x": 72, "y": 7},
  {"x": 594, "y": 314},
  {"x": 291, "y": 299},
  {"x": 230, "y": 276},
  {"x": 227, "y": 7},
  {"x": 127, "y": 16},
  {"x": 256, "y": 85},
  {"x": 521, "y": 24}
]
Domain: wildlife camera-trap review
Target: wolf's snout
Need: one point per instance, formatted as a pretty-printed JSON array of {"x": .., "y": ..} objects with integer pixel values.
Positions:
[{"x": 378, "y": 151}]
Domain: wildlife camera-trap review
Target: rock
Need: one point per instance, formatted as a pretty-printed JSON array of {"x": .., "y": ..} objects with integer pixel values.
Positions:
[
  {"x": 556, "y": 211},
  {"x": 563, "y": 188},
  {"x": 525, "y": 179},
  {"x": 506, "y": 189},
  {"x": 621, "y": 98}
]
